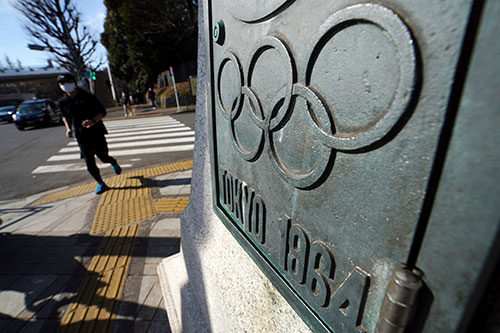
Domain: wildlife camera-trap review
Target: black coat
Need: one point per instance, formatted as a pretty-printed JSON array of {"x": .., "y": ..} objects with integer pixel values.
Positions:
[{"x": 82, "y": 107}]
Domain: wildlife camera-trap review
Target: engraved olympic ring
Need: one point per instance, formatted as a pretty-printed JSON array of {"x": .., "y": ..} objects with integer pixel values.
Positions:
[
  {"x": 321, "y": 164},
  {"x": 266, "y": 43},
  {"x": 232, "y": 113},
  {"x": 280, "y": 109},
  {"x": 396, "y": 29}
]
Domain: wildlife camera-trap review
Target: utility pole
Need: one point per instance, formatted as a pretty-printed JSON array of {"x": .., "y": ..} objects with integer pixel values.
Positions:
[
  {"x": 175, "y": 89},
  {"x": 112, "y": 84}
]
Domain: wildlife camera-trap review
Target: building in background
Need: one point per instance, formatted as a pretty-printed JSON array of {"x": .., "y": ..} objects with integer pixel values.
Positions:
[{"x": 41, "y": 83}]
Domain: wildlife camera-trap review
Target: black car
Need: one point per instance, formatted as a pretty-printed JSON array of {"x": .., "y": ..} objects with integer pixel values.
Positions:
[
  {"x": 8, "y": 108},
  {"x": 6, "y": 113},
  {"x": 37, "y": 112}
]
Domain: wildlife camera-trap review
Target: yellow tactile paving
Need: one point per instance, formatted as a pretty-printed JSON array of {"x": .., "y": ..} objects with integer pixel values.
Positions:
[
  {"x": 167, "y": 168},
  {"x": 122, "y": 213},
  {"x": 171, "y": 205},
  {"x": 128, "y": 201},
  {"x": 116, "y": 181},
  {"x": 124, "y": 190},
  {"x": 96, "y": 302},
  {"x": 72, "y": 192}
]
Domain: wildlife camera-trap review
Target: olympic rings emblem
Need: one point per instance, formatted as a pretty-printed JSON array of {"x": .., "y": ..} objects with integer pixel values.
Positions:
[{"x": 297, "y": 86}]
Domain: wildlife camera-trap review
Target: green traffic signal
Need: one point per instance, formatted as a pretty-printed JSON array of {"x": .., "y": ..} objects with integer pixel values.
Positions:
[{"x": 92, "y": 76}]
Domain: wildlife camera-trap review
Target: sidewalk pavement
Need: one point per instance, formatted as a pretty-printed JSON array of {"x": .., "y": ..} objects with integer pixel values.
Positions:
[{"x": 71, "y": 260}]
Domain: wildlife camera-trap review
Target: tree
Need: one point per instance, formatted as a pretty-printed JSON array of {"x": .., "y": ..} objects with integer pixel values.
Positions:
[
  {"x": 144, "y": 38},
  {"x": 9, "y": 62},
  {"x": 56, "y": 25}
]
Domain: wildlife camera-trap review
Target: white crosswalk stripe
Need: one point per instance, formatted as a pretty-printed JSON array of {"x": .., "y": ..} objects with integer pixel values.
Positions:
[
  {"x": 187, "y": 132},
  {"x": 72, "y": 167},
  {"x": 136, "y": 144},
  {"x": 128, "y": 137},
  {"x": 147, "y": 128},
  {"x": 127, "y": 152}
]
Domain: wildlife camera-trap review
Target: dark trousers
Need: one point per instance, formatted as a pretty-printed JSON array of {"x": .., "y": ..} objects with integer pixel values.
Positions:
[{"x": 95, "y": 146}]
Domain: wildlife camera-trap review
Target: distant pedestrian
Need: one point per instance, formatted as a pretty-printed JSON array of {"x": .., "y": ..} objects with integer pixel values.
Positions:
[
  {"x": 126, "y": 104},
  {"x": 152, "y": 97},
  {"x": 82, "y": 116}
]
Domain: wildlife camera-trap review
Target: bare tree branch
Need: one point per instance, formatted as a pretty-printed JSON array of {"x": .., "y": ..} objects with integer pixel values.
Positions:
[
  {"x": 10, "y": 64},
  {"x": 56, "y": 25}
]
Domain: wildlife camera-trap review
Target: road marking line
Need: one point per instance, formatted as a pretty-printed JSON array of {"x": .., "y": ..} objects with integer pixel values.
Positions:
[
  {"x": 131, "y": 126},
  {"x": 182, "y": 131},
  {"x": 128, "y": 152},
  {"x": 132, "y": 133},
  {"x": 135, "y": 144},
  {"x": 72, "y": 167},
  {"x": 145, "y": 128},
  {"x": 161, "y": 129},
  {"x": 177, "y": 128},
  {"x": 138, "y": 122},
  {"x": 151, "y": 136},
  {"x": 132, "y": 119}
]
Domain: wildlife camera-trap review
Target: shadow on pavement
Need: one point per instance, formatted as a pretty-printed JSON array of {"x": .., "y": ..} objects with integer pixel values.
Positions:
[
  {"x": 30, "y": 210},
  {"x": 41, "y": 275}
]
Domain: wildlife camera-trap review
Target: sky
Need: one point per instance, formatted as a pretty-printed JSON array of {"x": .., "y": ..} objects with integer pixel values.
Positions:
[{"x": 14, "y": 39}]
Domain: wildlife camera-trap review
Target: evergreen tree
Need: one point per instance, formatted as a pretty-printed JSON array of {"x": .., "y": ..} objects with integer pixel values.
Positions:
[{"x": 144, "y": 38}]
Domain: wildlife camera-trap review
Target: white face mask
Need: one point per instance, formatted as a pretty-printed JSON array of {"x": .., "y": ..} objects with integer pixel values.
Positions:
[{"x": 68, "y": 87}]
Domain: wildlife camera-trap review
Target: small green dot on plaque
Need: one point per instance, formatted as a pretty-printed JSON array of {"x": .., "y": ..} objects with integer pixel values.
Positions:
[{"x": 219, "y": 32}]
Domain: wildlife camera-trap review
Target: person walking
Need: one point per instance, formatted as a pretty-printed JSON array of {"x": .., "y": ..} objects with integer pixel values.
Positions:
[
  {"x": 152, "y": 97},
  {"x": 82, "y": 116},
  {"x": 126, "y": 103}
]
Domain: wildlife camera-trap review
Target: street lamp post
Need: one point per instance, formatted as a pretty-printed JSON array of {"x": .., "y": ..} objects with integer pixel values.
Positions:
[
  {"x": 79, "y": 73},
  {"x": 78, "y": 69},
  {"x": 36, "y": 47}
]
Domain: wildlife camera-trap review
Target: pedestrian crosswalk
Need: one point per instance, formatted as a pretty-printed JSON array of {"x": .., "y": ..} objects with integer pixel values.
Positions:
[{"x": 128, "y": 138}]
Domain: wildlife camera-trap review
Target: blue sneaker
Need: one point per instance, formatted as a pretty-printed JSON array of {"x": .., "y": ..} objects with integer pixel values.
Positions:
[
  {"x": 101, "y": 188},
  {"x": 116, "y": 168}
]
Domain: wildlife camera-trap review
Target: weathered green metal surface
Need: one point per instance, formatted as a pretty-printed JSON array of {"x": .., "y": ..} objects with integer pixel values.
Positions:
[
  {"x": 461, "y": 246},
  {"x": 326, "y": 119}
]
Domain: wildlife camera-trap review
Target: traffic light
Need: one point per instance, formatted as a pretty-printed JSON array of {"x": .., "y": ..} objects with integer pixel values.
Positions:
[{"x": 92, "y": 76}]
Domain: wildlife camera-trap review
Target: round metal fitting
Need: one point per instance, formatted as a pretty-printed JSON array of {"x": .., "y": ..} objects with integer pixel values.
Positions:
[{"x": 219, "y": 32}]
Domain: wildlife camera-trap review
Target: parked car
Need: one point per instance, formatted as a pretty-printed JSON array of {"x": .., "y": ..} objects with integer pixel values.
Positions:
[
  {"x": 37, "y": 112},
  {"x": 6, "y": 113},
  {"x": 8, "y": 108}
]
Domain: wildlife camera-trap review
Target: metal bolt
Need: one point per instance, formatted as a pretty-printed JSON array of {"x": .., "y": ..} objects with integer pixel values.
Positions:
[
  {"x": 400, "y": 301},
  {"x": 219, "y": 32}
]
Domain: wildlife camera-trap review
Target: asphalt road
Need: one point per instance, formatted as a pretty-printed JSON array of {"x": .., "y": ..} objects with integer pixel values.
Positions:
[{"x": 23, "y": 151}]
